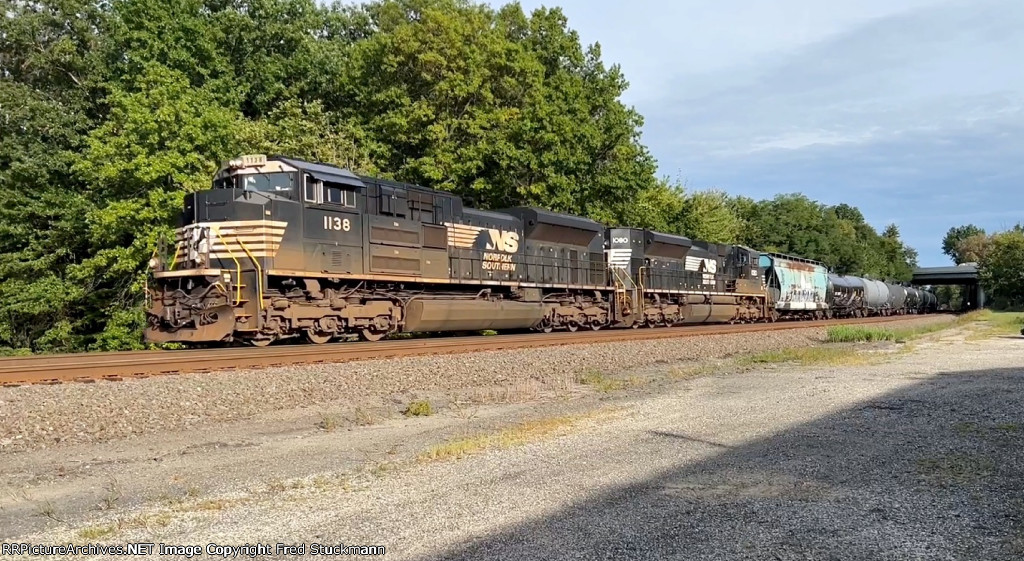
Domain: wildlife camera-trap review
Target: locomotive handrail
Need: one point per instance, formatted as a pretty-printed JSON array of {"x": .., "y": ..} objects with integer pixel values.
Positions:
[
  {"x": 174, "y": 260},
  {"x": 259, "y": 271},
  {"x": 640, "y": 278},
  {"x": 238, "y": 266}
]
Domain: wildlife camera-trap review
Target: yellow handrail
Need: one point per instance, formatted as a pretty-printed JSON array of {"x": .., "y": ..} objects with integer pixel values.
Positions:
[
  {"x": 259, "y": 271},
  {"x": 175, "y": 259},
  {"x": 640, "y": 277},
  {"x": 238, "y": 266}
]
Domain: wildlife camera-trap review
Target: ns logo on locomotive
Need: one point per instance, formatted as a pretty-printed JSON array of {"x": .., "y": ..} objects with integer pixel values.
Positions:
[{"x": 280, "y": 248}]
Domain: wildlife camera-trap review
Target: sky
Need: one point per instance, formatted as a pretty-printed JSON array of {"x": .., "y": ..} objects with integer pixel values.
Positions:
[{"x": 911, "y": 110}]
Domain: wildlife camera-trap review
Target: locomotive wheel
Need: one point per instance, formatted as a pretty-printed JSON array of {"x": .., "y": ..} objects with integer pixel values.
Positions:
[
  {"x": 548, "y": 328},
  {"x": 572, "y": 326},
  {"x": 595, "y": 325},
  {"x": 317, "y": 337},
  {"x": 371, "y": 335},
  {"x": 260, "y": 342}
]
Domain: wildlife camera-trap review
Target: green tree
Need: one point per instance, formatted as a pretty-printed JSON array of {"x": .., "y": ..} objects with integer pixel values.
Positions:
[
  {"x": 162, "y": 139},
  {"x": 954, "y": 237},
  {"x": 499, "y": 107},
  {"x": 972, "y": 249},
  {"x": 1001, "y": 270},
  {"x": 707, "y": 216}
]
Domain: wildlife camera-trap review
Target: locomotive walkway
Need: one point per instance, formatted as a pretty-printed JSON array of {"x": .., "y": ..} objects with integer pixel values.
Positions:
[{"x": 117, "y": 366}]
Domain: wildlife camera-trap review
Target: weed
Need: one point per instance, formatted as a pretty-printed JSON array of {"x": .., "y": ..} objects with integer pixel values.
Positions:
[
  {"x": 967, "y": 428},
  {"x": 213, "y": 504},
  {"x": 856, "y": 333},
  {"x": 112, "y": 494},
  {"x": 677, "y": 373},
  {"x": 321, "y": 482},
  {"x": 1008, "y": 427},
  {"x": 990, "y": 324},
  {"x": 600, "y": 381},
  {"x": 327, "y": 422},
  {"x": 149, "y": 521},
  {"x": 512, "y": 436},
  {"x": 363, "y": 417},
  {"x": 381, "y": 469},
  {"x": 47, "y": 510},
  {"x": 956, "y": 468},
  {"x": 461, "y": 411},
  {"x": 97, "y": 532},
  {"x": 832, "y": 356},
  {"x": 421, "y": 408}
]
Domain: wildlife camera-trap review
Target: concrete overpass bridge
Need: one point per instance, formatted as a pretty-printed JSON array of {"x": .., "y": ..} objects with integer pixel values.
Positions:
[{"x": 965, "y": 275}]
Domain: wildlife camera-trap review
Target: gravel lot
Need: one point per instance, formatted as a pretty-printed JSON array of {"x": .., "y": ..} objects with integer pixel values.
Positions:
[
  {"x": 35, "y": 417},
  {"x": 919, "y": 457}
]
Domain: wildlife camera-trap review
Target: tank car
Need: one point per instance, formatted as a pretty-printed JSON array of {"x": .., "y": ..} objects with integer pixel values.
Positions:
[
  {"x": 847, "y": 296},
  {"x": 897, "y": 299}
]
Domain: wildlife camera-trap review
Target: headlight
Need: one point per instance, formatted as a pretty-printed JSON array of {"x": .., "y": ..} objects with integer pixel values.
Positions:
[{"x": 154, "y": 263}]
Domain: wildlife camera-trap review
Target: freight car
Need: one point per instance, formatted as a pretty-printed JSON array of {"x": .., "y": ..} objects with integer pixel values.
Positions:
[{"x": 281, "y": 248}]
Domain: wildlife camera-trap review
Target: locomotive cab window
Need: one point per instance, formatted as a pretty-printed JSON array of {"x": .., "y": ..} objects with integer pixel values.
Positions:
[
  {"x": 320, "y": 192},
  {"x": 340, "y": 196},
  {"x": 278, "y": 183}
]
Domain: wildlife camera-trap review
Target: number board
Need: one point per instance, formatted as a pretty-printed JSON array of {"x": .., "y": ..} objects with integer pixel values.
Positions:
[{"x": 342, "y": 227}]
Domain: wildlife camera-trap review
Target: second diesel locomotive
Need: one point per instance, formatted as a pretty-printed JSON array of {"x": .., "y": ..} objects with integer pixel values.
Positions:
[{"x": 281, "y": 248}]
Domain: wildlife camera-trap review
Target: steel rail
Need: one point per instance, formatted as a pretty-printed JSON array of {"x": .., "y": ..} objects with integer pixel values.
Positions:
[{"x": 90, "y": 367}]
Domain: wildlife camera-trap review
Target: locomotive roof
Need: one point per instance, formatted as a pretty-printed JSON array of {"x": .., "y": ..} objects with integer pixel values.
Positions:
[
  {"x": 543, "y": 216},
  {"x": 323, "y": 172}
]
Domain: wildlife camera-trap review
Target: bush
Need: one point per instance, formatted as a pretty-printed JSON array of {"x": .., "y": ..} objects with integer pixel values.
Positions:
[{"x": 420, "y": 408}]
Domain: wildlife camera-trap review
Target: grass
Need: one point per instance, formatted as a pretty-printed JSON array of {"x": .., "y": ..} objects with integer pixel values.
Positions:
[
  {"x": 97, "y": 532},
  {"x": 857, "y": 334},
  {"x": 517, "y": 435},
  {"x": 112, "y": 495},
  {"x": 806, "y": 356},
  {"x": 604, "y": 383},
  {"x": 956, "y": 468},
  {"x": 993, "y": 324},
  {"x": 327, "y": 422},
  {"x": 690, "y": 372},
  {"x": 363, "y": 417},
  {"x": 420, "y": 408}
]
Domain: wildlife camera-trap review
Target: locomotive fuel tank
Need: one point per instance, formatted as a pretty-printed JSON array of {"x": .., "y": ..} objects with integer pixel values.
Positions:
[{"x": 472, "y": 315}]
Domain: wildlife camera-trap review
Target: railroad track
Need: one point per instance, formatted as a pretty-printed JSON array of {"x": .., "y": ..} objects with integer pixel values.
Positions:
[{"x": 116, "y": 366}]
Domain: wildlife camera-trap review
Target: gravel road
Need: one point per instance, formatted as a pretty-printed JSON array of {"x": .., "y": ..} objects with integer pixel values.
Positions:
[{"x": 919, "y": 457}]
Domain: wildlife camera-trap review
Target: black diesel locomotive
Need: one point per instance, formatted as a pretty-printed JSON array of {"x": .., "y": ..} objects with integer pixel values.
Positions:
[{"x": 281, "y": 248}]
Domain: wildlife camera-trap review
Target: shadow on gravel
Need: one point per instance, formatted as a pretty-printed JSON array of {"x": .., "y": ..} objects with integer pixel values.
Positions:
[{"x": 934, "y": 472}]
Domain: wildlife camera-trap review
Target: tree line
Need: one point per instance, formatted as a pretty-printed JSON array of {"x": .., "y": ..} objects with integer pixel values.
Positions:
[
  {"x": 1000, "y": 260},
  {"x": 111, "y": 111}
]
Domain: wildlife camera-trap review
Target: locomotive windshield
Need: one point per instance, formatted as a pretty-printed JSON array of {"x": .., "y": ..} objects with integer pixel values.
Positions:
[
  {"x": 280, "y": 183},
  {"x": 267, "y": 182}
]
